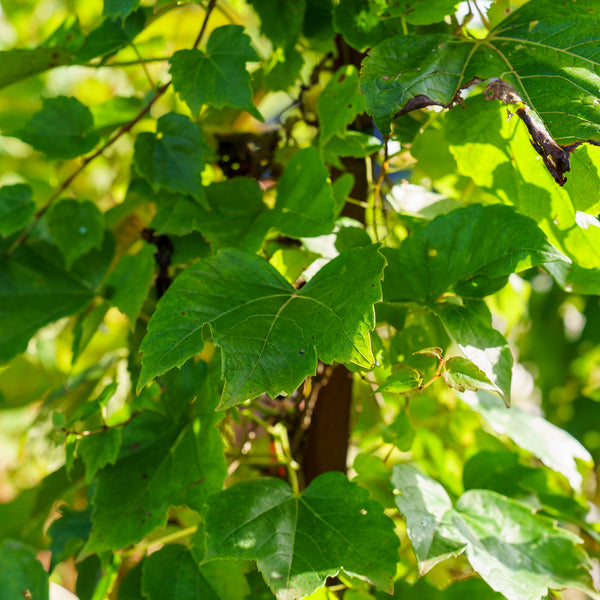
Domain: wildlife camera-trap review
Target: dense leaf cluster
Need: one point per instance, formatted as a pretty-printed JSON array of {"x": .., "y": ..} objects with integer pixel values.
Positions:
[{"x": 296, "y": 298}]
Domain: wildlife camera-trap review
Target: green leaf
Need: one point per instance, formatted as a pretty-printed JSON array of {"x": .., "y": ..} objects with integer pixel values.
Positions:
[
  {"x": 423, "y": 502},
  {"x": 280, "y": 20},
  {"x": 85, "y": 328},
  {"x": 76, "y": 227},
  {"x": 22, "y": 575},
  {"x": 522, "y": 563},
  {"x": 16, "y": 207},
  {"x": 173, "y": 157},
  {"x": 115, "y": 112},
  {"x": 553, "y": 446},
  {"x": 119, "y": 8},
  {"x": 339, "y": 103},
  {"x": 270, "y": 334},
  {"x": 361, "y": 25},
  {"x": 218, "y": 77},
  {"x": 112, "y": 35},
  {"x": 422, "y": 13},
  {"x": 551, "y": 63},
  {"x": 68, "y": 534},
  {"x": 300, "y": 540},
  {"x": 237, "y": 215},
  {"x": 470, "y": 251},
  {"x": 35, "y": 290},
  {"x": 63, "y": 128},
  {"x": 461, "y": 374},
  {"x": 159, "y": 466},
  {"x": 496, "y": 154},
  {"x": 470, "y": 326},
  {"x": 99, "y": 450},
  {"x": 128, "y": 284},
  {"x": 173, "y": 573},
  {"x": 399, "y": 432},
  {"x": 402, "y": 380},
  {"x": 305, "y": 205},
  {"x": 355, "y": 144},
  {"x": 20, "y": 63}
]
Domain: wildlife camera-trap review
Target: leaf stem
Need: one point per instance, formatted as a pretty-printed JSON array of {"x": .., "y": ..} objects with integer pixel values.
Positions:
[{"x": 165, "y": 539}]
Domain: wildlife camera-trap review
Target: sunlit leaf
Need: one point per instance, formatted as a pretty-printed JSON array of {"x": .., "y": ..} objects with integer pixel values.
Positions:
[{"x": 300, "y": 540}]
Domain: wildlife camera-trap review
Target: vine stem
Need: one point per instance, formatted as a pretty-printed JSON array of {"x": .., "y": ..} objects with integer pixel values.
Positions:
[
  {"x": 120, "y": 132},
  {"x": 380, "y": 179},
  {"x": 282, "y": 448}
]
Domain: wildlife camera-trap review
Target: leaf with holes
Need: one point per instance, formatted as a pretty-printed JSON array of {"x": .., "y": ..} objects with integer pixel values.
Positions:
[{"x": 270, "y": 334}]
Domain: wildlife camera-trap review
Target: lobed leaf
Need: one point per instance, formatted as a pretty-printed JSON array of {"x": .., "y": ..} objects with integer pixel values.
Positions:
[
  {"x": 173, "y": 157},
  {"x": 159, "y": 466},
  {"x": 300, "y": 540},
  {"x": 270, "y": 334},
  {"x": 218, "y": 77}
]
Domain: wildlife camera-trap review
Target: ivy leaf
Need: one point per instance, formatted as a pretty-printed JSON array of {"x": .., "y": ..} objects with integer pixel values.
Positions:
[
  {"x": 63, "y": 128},
  {"x": 339, "y": 102},
  {"x": 119, "y": 8},
  {"x": 218, "y": 77},
  {"x": 21, "y": 63},
  {"x": 521, "y": 563},
  {"x": 22, "y": 575},
  {"x": 128, "y": 284},
  {"x": 173, "y": 157},
  {"x": 551, "y": 63},
  {"x": 470, "y": 251},
  {"x": 76, "y": 227},
  {"x": 16, "y": 207},
  {"x": 553, "y": 446},
  {"x": 172, "y": 572},
  {"x": 300, "y": 540},
  {"x": 305, "y": 204},
  {"x": 171, "y": 465},
  {"x": 470, "y": 326},
  {"x": 270, "y": 334},
  {"x": 35, "y": 290}
]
